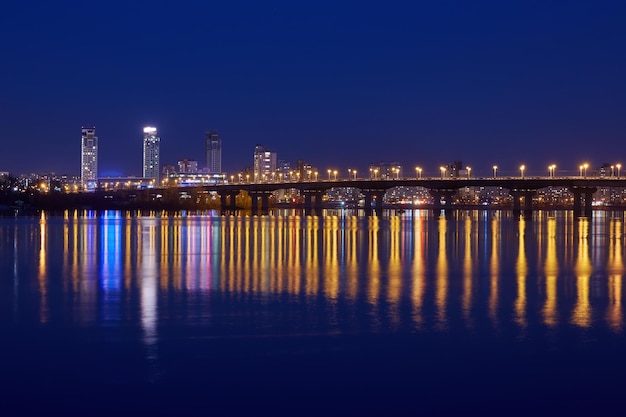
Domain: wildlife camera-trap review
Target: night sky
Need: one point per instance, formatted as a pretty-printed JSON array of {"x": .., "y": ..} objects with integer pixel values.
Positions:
[{"x": 340, "y": 84}]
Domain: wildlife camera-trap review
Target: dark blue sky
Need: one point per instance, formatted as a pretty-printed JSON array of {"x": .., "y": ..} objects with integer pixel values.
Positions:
[{"x": 338, "y": 83}]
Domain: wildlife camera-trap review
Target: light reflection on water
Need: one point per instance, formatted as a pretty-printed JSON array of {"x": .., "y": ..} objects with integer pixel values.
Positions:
[{"x": 411, "y": 272}]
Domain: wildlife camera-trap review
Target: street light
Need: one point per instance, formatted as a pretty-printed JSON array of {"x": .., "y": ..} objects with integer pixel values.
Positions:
[
  {"x": 618, "y": 166},
  {"x": 376, "y": 173},
  {"x": 521, "y": 170},
  {"x": 354, "y": 172},
  {"x": 316, "y": 175},
  {"x": 335, "y": 173},
  {"x": 418, "y": 171},
  {"x": 329, "y": 172},
  {"x": 612, "y": 170},
  {"x": 580, "y": 171},
  {"x": 495, "y": 171},
  {"x": 551, "y": 169},
  {"x": 443, "y": 171},
  {"x": 585, "y": 166},
  {"x": 469, "y": 172}
]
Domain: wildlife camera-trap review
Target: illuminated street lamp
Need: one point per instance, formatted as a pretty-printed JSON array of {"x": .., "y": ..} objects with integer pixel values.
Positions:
[
  {"x": 443, "y": 171},
  {"x": 247, "y": 177},
  {"x": 495, "y": 171},
  {"x": 521, "y": 170},
  {"x": 329, "y": 172},
  {"x": 612, "y": 170},
  {"x": 335, "y": 173},
  {"x": 418, "y": 172},
  {"x": 585, "y": 166},
  {"x": 309, "y": 172},
  {"x": 469, "y": 172},
  {"x": 551, "y": 169},
  {"x": 376, "y": 173},
  {"x": 618, "y": 166}
]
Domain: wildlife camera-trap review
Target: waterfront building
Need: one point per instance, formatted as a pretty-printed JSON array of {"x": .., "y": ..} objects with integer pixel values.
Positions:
[
  {"x": 89, "y": 158},
  {"x": 187, "y": 166},
  {"x": 213, "y": 149},
  {"x": 385, "y": 170},
  {"x": 151, "y": 153},
  {"x": 264, "y": 164}
]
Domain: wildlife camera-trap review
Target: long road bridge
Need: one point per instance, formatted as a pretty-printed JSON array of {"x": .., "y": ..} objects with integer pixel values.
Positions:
[{"x": 442, "y": 190}]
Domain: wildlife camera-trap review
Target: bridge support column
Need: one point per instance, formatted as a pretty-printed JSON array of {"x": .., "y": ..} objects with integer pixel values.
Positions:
[
  {"x": 374, "y": 200},
  {"x": 442, "y": 199},
  {"x": 583, "y": 194},
  {"x": 379, "y": 196},
  {"x": 527, "y": 195},
  {"x": 368, "y": 202},
  {"x": 233, "y": 201},
  {"x": 319, "y": 199},
  {"x": 313, "y": 200},
  {"x": 223, "y": 202}
]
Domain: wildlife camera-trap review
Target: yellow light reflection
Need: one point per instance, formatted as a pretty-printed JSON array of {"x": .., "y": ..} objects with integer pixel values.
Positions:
[
  {"x": 551, "y": 269},
  {"x": 441, "y": 291},
  {"x": 581, "y": 316},
  {"x": 521, "y": 268},
  {"x": 419, "y": 279},
  {"x": 43, "y": 275},
  {"x": 494, "y": 269},
  {"x": 467, "y": 270},
  {"x": 614, "y": 313}
]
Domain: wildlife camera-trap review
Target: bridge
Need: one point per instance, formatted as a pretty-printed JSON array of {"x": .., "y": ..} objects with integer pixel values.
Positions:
[{"x": 442, "y": 190}]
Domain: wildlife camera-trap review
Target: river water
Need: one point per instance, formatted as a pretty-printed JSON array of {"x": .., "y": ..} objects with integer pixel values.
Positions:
[{"x": 116, "y": 313}]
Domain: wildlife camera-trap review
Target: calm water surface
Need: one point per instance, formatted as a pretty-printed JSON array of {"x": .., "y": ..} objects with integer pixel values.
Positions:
[{"x": 118, "y": 313}]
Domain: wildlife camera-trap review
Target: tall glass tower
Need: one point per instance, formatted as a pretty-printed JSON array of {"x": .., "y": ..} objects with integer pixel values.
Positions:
[
  {"x": 89, "y": 158},
  {"x": 213, "y": 147},
  {"x": 151, "y": 144}
]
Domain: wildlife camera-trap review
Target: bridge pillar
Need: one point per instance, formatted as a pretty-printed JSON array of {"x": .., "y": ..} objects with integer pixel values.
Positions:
[
  {"x": 319, "y": 198},
  {"x": 527, "y": 195},
  {"x": 583, "y": 194},
  {"x": 374, "y": 200},
  {"x": 264, "y": 196},
  {"x": 378, "y": 196},
  {"x": 233, "y": 201},
  {"x": 223, "y": 201},
  {"x": 368, "y": 202},
  {"x": 227, "y": 201},
  {"x": 442, "y": 199}
]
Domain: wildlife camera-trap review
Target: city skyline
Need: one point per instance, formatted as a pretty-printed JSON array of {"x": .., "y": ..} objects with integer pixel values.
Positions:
[{"x": 487, "y": 83}]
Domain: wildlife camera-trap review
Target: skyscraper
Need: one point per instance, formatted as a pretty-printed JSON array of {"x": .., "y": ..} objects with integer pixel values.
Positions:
[
  {"x": 89, "y": 158},
  {"x": 151, "y": 144},
  {"x": 213, "y": 148},
  {"x": 264, "y": 164}
]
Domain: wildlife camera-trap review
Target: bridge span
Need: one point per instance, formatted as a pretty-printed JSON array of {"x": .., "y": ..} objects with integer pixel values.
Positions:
[{"x": 442, "y": 189}]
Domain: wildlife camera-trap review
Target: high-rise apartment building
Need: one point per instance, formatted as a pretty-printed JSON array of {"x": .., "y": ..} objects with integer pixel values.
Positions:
[
  {"x": 264, "y": 164},
  {"x": 213, "y": 148},
  {"x": 151, "y": 153},
  {"x": 188, "y": 166},
  {"x": 89, "y": 158}
]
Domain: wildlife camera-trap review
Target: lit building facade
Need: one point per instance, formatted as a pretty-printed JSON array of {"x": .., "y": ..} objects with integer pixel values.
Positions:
[
  {"x": 151, "y": 153},
  {"x": 187, "y": 166},
  {"x": 264, "y": 164},
  {"x": 89, "y": 158},
  {"x": 213, "y": 148}
]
